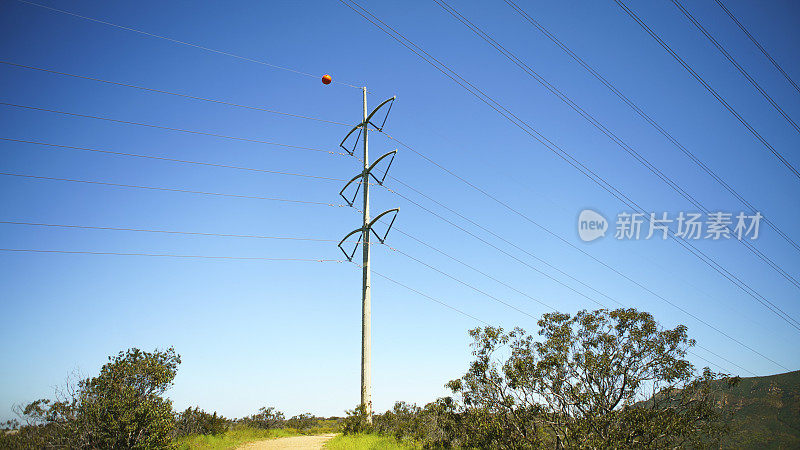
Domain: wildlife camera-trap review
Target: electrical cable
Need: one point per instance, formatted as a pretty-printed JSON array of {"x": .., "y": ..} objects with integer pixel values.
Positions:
[
  {"x": 611, "y": 135},
  {"x": 735, "y": 64},
  {"x": 525, "y": 127},
  {"x": 757, "y": 44},
  {"x": 708, "y": 87},
  {"x": 189, "y": 44},
  {"x": 161, "y": 91},
  {"x": 161, "y": 127},
  {"x": 648, "y": 119},
  {"x": 166, "y": 255},
  {"x": 163, "y": 158},
  {"x": 187, "y": 191}
]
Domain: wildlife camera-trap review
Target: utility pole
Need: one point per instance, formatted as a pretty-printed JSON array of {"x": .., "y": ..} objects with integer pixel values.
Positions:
[
  {"x": 366, "y": 301},
  {"x": 362, "y": 181}
]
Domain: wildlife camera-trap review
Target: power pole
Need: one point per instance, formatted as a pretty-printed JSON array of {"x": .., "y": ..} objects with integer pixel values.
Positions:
[
  {"x": 362, "y": 182},
  {"x": 366, "y": 301}
]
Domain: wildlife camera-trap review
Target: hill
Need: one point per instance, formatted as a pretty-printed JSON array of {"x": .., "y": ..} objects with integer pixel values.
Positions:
[{"x": 764, "y": 412}]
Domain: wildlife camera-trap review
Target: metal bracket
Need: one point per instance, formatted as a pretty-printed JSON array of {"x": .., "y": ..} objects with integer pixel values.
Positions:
[
  {"x": 369, "y": 226},
  {"x": 355, "y": 194},
  {"x": 350, "y": 255},
  {"x": 385, "y": 172},
  {"x": 369, "y": 117},
  {"x": 368, "y": 121},
  {"x": 380, "y": 181},
  {"x": 352, "y": 151}
]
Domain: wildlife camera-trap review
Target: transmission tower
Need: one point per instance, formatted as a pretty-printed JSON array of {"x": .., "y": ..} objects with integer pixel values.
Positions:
[{"x": 362, "y": 183}]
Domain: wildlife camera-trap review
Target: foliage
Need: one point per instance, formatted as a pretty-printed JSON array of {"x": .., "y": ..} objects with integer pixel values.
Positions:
[
  {"x": 355, "y": 421},
  {"x": 196, "y": 421},
  {"x": 266, "y": 418},
  {"x": 122, "y": 407},
  {"x": 610, "y": 379},
  {"x": 302, "y": 422}
]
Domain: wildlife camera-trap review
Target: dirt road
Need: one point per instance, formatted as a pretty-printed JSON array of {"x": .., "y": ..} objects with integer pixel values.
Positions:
[{"x": 304, "y": 442}]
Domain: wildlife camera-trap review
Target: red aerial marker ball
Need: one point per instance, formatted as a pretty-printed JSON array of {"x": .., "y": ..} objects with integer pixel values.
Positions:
[{"x": 326, "y": 79}]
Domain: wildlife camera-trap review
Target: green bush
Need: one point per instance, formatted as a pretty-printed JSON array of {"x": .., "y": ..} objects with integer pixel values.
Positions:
[
  {"x": 196, "y": 421},
  {"x": 355, "y": 421},
  {"x": 122, "y": 407},
  {"x": 302, "y": 422},
  {"x": 267, "y": 418}
]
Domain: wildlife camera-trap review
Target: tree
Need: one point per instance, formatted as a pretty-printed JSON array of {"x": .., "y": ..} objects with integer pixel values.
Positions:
[
  {"x": 600, "y": 379},
  {"x": 122, "y": 407}
]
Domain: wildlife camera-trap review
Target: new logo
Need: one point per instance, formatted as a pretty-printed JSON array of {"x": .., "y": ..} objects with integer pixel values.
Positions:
[{"x": 591, "y": 225}]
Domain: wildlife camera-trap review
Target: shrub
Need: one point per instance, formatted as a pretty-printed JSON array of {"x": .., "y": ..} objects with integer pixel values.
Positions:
[
  {"x": 355, "y": 421},
  {"x": 122, "y": 407},
  {"x": 197, "y": 421},
  {"x": 302, "y": 422},
  {"x": 266, "y": 418}
]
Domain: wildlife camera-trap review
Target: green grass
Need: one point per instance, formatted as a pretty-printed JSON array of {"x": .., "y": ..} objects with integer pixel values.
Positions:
[
  {"x": 231, "y": 438},
  {"x": 367, "y": 442}
]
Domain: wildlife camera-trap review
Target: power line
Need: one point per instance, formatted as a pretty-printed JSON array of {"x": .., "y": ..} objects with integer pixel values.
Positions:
[
  {"x": 464, "y": 283},
  {"x": 528, "y": 253},
  {"x": 177, "y": 94},
  {"x": 708, "y": 87},
  {"x": 735, "y": 64},
  {"x": 610, "y": 134},
  {"x": 146, "y": 230},
  {"x": 162, "y": 158},
  {"x": 647, "y": 118},
  {"x": 760, "y": 47},
  {"x": 212, "y": 100},
  {"x": 534, "y": 299},
  {"x": 194, "y": 233},
  {"x": 471, "y": 267},
  {"x": 166, "y": 255},
  {"x": 244, "y": 58},
  {"x": 528, "y": 129},
  {"x": 433, "y": 299},
  {"x": 161, "y": 127},
  {"x": 662, "y": 298},
  {"x": 155, "y": 188},
  {"x": 475, "y": 236}
]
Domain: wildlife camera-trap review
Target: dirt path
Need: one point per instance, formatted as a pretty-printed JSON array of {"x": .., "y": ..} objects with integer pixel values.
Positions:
[{"x": 304, "y": 442}]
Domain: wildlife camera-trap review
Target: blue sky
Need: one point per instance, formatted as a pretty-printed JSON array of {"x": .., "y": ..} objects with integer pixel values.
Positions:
[{"x": 255, "y": 333}]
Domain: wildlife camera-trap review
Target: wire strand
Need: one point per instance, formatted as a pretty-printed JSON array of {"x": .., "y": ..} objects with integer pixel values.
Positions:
[
  {"x": 760, "y": 47},
  {"x": 161, "y": 127},
  {"x": 165, "y": 255},
  {"x": 155, "y": 188},
  {"x": 610, "y": 134},
  {"x": 536, "y": 135},
  {"x": 539, "y": 301},
  {"x": 189, "y": 44},
  {"x": 648, "y": 119},
  {"x": 177, "y": 94},
  {"x": 163, "y": 158},
  {"x": 433, "y": 299},
  {"x": 735, "y": 64},
  {"x": 708, "y": 87},
  {"x": 146, "y": 230}
]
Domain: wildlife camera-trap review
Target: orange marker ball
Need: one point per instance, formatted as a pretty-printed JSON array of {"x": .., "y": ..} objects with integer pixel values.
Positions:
[{"x": 326, "y": 79}]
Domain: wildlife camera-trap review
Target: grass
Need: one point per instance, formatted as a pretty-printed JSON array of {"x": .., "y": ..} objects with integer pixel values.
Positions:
[
  {"x": 232, "y": 438},
  {"x": 367, "y": 442}
]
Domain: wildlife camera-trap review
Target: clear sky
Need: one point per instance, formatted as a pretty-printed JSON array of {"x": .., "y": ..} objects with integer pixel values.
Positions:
[{"x": 254, "y": 333}]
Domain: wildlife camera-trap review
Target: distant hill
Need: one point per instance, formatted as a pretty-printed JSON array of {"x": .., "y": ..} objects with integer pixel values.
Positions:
[{"x": 764, "y": 412}]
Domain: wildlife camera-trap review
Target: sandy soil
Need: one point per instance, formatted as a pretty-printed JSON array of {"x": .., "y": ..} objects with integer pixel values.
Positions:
[{"x": 305, "y": 442}]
